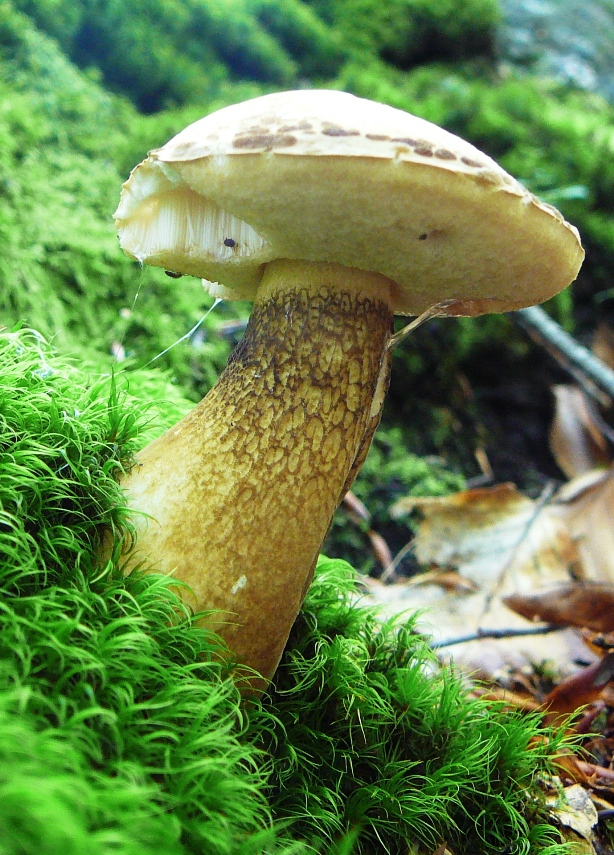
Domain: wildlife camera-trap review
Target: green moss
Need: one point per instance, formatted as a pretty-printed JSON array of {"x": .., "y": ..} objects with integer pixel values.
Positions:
[
  {"x": 406, "y": 32},
  {"x": 105, "y": 675},
  {"x": 366, "y": 732},
  {"x": 163, "y": 54},
  {"x": 52, "y": 800},
  {"x": 120, "y": 724},
  {"x": 62, "y": 270}
]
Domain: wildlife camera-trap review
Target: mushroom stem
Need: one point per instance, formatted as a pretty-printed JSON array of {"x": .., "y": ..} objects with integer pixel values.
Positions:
[{"x": 240, "y": 494}]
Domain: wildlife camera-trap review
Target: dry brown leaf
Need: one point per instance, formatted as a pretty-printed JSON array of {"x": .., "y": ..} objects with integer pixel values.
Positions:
[
  {"x": 512, "y": 700},
  {"x": 576, "y": 440},
  {"x": 449, "y": 580},
  {"x": 507, "y": 545},
  {"x": 574, "y": 810},
  {"x": 601, "y": 803},
  {"x": 581, "y": 604},
  {"x": 580, "y": 689},
  {"x": 586, "y": 508},
  {"x": 597, "y": 776},
  {"x": 586, "y": 723},
  {"x": 571, "y": 768},
  {"x": 501, "y": 543},
  {"x": 479, "y": 506},
  {"x": 359, "y": 514},
  {"x": 496, "y": 537},
  {"x": 607, "y": 695},
  {"x": 599, "y": 642}
]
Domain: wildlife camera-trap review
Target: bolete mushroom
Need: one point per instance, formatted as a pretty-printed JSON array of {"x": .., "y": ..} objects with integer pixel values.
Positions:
[{"x": 331, "y": 213}]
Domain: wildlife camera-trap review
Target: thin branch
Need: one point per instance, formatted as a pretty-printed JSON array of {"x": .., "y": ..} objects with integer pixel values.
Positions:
[
  {"x": 436, "y": 311},
  {"x": 589, "y": 371},
  {"x": 495, "y": 633}
]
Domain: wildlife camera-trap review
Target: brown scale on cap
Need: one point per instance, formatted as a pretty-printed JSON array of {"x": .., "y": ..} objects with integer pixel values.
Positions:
[
  {"x": 424, "y": 151},
  {"x": 410, "y": 141},
  {"x": 475, "y": 164},
  {"x": 332, "y": 213},
  {"x": 302, "y": 126},
  {"x": 331, "y": 130},
  {"x": 444, "y": 154},
  {"x": 266, "y": 141}
]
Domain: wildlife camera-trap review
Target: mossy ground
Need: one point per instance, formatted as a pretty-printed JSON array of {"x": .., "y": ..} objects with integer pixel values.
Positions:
[{"x": 121, "y": 729}]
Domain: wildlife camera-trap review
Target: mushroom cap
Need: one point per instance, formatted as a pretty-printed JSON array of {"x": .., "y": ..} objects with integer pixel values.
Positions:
[{"x": 320, "y": 175}]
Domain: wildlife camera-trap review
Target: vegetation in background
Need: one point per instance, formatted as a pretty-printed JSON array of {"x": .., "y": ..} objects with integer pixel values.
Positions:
[
  {"x": 408, "y": 32},
  {"x": 121, "y": 729},
  {"x": 68, "y": 143},
  {"x": 119, "y": 724},
  {"x": 389, "y": 472},
  {"x": 66, "y": 149},
  {"x": 162, "y": 53}
]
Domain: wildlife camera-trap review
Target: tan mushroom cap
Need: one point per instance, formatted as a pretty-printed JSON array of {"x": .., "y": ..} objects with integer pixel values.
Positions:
[{"x": 321, "y": 175}]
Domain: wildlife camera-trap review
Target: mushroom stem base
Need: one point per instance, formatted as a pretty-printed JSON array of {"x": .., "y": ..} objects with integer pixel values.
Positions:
[{"x": 240, "y": 494}]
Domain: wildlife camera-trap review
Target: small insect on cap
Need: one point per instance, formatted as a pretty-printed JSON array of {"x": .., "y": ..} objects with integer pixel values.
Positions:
[{"x": 324, "y": 176}]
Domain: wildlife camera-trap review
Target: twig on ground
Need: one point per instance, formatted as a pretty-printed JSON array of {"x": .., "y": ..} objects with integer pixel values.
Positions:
[
  {"x": 588, "y": 370},
  {"x": 495, "y": 633}
]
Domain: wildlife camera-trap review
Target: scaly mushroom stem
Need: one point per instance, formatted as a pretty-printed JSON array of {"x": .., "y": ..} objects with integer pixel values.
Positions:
[{"x": 241, "y": 492}]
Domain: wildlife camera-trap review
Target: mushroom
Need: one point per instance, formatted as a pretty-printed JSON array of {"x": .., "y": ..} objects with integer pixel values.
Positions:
[{"x": 331, "y": 213}]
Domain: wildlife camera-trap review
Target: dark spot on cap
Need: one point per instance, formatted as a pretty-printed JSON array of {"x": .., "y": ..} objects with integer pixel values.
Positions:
[
  {"x": 406, "y": 140},
  {"x": 266, "y": 141},
  {"x": 331, "y": 130},
  {"x": 469, "y": 162},
  {"x": 377, "y": 137},
  {"x": 173, "y": 275},
  {"x": 444, "y": 154},
  {"x": 423, "y": 150},
  {"x": 229, "y": 242},
  {"x": 183, "y": 148},
  {"x": 302, "y": 126},
  {"x": 423, "y": 236}
]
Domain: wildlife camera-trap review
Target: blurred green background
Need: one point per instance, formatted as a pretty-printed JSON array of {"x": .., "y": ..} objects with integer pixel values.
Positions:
[{"x": 88, "y": 86}]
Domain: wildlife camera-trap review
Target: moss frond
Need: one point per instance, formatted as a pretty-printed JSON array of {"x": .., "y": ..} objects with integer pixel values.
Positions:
[
  {"x": 118, "y": 694},
  {"x": 62, "y": 442},
  {"x": 366, "y": 732}
]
